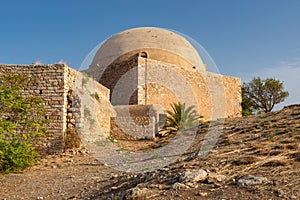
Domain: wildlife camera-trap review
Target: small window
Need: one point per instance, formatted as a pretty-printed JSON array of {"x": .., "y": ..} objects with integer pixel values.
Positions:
[
  {"x": 144, "y": 54},
  {"x": 41, "y": 91},
  {"x": 194, "y": 67}
]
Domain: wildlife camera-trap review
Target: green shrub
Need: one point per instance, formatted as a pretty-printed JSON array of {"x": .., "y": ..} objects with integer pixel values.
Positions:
[
  {"x": 22, "y": 121},
  {"x": 16, "y": 155}
]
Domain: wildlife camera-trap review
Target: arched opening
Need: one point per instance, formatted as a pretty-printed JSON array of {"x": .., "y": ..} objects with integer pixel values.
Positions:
[{"x": 143, "y": 54}]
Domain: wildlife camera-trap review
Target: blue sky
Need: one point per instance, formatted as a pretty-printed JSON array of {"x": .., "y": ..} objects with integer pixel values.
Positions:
[{"x": 245, "y": 38}]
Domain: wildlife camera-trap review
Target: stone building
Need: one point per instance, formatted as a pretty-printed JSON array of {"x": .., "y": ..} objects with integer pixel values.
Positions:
[
  {"x": 136, "y": 75},
  {"x": 145, "y": 66}
]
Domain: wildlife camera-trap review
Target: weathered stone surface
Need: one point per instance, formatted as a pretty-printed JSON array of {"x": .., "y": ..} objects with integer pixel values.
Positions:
[
  {"x": 193, "y": 176},
  {"x": 139, "y": 121},
  {"x": 54, "y": 84},
  {"x": 252, "y": 181},
  {"x": 138, "y": 193},
  {"x": 206, "y": 90},
  {"x": 162, "y": 75},
  {"x": 215, "y": 178},
  {"x": 179, "y": 186}
]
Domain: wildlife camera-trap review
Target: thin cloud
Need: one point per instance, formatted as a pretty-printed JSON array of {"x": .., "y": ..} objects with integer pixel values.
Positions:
[{"x": 289, "y": 73}]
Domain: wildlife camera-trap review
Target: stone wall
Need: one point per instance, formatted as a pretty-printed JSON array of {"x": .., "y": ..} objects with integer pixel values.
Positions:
[
  {"x": 92, "y": 109},
  {"x": 56, "y": 85},
  {"x": 138, "y": 121},
  {"x": 216, "y": 95},
  {"x": 46, "y": 81},
  {"x": 144, "y": 81},
  {"x": 120, "y": 77},
  {"x": 232, "y": 93}
]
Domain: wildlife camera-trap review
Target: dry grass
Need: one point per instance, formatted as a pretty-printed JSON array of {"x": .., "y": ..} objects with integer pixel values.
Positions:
[
  {"x": 288, "y": 141},
  {"x": 292, "y": 146},
  {"x": 246, "y": 160},
  {"x": 266, "y": 145},
  {"x": 295, "y": 156}
]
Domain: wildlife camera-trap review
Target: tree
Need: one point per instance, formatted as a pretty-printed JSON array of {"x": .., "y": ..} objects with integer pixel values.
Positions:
[
  {"x": 247, "y": 106},
  {"x": 262, "y": 95},
  {"x": 22, "y": 119},
  {"x": 180, "y": 117}
]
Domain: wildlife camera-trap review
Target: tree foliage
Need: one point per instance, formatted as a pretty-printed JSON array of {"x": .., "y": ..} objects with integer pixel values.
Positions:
[
  {"x": 181, "y": 117},
  {"x": 262, "y": 95},
  {"x": 22, "y": 120}
]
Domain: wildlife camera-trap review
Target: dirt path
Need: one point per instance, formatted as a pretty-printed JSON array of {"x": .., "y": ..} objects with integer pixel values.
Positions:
[{"x": 55, "y": 177}]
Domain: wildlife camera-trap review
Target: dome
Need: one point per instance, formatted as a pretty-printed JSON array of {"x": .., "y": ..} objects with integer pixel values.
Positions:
[{"x": 155, "y": 43}]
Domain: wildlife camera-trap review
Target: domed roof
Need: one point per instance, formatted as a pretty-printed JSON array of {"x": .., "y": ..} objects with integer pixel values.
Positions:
[{"x": 160, "y": 44}]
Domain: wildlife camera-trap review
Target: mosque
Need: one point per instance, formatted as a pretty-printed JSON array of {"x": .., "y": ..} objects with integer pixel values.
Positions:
[
  {"x": 147, "y": 66},
  {"x": 143, "y": 70}
]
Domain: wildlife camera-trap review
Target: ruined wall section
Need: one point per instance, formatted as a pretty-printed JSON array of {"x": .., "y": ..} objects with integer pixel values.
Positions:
[
  {"x": 71, "y": 111},
  {"x": 91, "y": 110},
  {"x": 58, "y": 85},
  {"x": 104, "y": 107},
  {"x": 87, "y": 110},
  {"x": 47, "y": 82}
]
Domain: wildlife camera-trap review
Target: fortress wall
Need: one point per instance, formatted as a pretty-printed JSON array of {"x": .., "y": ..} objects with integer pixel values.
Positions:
[
  {"x": 55, "y": 84},
  {"x": 217, "y": 96},
  {"x": 232, "y": 92},
  {"x": 174, "y": 83},
  {"x": 47, "y": 82}
]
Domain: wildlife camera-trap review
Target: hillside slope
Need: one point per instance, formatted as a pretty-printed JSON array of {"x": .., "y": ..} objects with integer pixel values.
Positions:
[{"x": 256, "y": 157}]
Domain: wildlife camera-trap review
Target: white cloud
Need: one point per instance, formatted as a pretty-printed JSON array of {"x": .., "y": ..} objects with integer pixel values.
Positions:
[{"x": 289, "y": 73}]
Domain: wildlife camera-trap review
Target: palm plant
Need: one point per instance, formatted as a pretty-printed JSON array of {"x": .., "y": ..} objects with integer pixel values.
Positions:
[{"x": 180, "y": 117}]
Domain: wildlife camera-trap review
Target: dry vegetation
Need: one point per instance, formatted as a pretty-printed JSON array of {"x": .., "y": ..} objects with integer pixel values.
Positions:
[{"x": 265, "y": 145}]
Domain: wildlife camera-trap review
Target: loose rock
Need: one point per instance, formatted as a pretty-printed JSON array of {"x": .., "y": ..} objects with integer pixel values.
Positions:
[
  {"x": 193, "y": 176},
  {"x": 252, "y": 181},
  {"x": 138, "y": 193},
  {"x": 179, "y": 186},
  {"x": 216, "y": 178},
  {"x": 203, "y": 194},
  {"x": 279, "y": 193}
]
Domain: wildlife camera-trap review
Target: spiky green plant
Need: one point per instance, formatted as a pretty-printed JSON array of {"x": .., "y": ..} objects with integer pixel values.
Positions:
[{"x": 181, "y": 117}]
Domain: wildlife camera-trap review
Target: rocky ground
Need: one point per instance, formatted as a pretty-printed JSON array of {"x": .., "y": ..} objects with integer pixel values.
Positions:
[{"x": 256, "y": 157}]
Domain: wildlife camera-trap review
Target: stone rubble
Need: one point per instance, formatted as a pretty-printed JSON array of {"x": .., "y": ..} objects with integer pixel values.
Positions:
[{"x": 252, "y": 180}]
